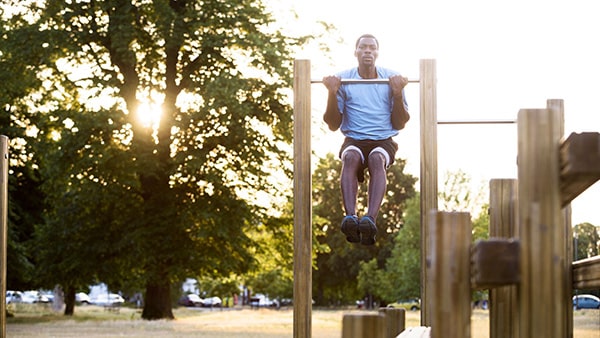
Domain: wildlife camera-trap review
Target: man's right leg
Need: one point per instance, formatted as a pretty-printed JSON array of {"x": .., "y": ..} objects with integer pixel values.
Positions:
[{"x": 351, "y": 162}]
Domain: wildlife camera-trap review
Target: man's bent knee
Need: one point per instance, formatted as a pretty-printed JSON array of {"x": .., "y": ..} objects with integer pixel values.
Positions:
[
  {"x": 379, "y": 156},
  {"x": 352, "y": 154}
]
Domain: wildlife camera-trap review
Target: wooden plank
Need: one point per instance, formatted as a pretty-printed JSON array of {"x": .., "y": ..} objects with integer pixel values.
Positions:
[
  {"x": 429, "y": 172},
  {"x": 395, "y": 321},
  {"x": 579, "y": 164},
  {"x": 302, "y": 201},
  {"x": 586, "y": 273},
  {"x": 416, "y": 332},
  {"x": 542, "y": 287},
  {"x": 364, "y": 324},
  {"x": 449, "y": 272},
  {"x": 504, "y": 223},
  {"x": 494, "y": 263},
  {"x": 3, "y": 228}
]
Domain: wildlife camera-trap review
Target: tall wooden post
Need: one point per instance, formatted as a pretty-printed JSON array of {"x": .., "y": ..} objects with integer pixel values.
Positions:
[
  {"x": 429, "y": 172},
  {"x": 3, "y": 228},
  {"x": 449, "y": 255},
  {"x": 504, "y": 224},
  {"x": 542, "y": 310},
  {"x": 302, "y": 201}
]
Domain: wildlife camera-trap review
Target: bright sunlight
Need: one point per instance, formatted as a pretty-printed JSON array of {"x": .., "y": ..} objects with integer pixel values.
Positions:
[{"x": 149, "y": 114}]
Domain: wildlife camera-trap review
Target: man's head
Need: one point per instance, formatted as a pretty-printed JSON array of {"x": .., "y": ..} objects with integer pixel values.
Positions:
[
  {"x": 367, "y": 49},
  {"x": 371, "y": 36}
]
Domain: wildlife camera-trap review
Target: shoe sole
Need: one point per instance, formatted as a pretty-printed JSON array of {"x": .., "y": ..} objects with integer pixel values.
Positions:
[
  {"x": 351, "y": 230},
  {"x": 368, "y": 231}
]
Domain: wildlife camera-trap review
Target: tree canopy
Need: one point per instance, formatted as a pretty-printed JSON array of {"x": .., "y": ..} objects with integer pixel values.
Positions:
[{"x": 134, "y": 203}]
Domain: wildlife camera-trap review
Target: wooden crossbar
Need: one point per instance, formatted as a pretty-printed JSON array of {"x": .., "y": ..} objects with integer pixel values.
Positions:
[
  {"x": 579, "y": 164},
  {"x": 586, "y": 273}
]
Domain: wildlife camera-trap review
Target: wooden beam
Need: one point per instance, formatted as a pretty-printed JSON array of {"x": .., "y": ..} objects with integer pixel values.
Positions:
[
  {"x": 364, "y": 324},
  {"x": 504, "y": 223},
  {"x": 494, "y": 263},
  {"x": 543, "y": 288},
  {"x": 3, "y": 229},
  {"x": 428, "y": 174},
  {"x": 579, "y": 164},
  {"x": 449, "y": 273},
  {"x": 302, "y": 202},
  {"x": 586, "y": 273}
]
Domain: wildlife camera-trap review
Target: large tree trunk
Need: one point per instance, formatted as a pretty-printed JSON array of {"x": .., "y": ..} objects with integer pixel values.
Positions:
[
  {"x": 69, "y": 300},
  {"x": 157, "y": 303}
]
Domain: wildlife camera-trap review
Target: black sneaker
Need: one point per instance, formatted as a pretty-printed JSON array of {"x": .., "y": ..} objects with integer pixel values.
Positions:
[
  {"x": 350, "y": 229},
  {"x": 367, "y": 230}
]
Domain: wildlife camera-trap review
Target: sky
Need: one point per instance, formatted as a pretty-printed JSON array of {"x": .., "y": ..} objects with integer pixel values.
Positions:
[{"x": 493, "y": 58}]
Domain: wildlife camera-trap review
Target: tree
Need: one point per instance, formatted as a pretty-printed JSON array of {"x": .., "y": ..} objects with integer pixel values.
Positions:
[
  {"x": 587, "y": 238},
  {"x": 457, "y": 193},
  {"x": 371, "y": 281},
  {"x": 403, "y": 268},
  {"x": 157, "y": 201},
  {"x": 338, "y": 262}
]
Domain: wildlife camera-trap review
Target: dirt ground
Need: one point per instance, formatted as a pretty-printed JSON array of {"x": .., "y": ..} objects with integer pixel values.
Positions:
[{"x": 93, "y": 322}]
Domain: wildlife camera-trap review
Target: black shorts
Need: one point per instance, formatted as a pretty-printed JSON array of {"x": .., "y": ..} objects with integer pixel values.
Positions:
[{"x": 366, "y": 147}]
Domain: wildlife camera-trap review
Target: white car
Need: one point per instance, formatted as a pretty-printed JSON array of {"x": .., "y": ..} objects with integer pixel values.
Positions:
[
  {"x": 211, "y": 302},
  {"x": 33, "y": 296},
  {"x": 82, "y": 298},
  {"x": 14, "y": 297},
  {"x": 108, "y": 299}
]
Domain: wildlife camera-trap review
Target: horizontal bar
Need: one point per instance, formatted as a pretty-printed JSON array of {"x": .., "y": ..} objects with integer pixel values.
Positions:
[
  {"x": 586, "y": 273},
  {"x": 365, "y": 81},
  {"x": 477, "y": 122}
]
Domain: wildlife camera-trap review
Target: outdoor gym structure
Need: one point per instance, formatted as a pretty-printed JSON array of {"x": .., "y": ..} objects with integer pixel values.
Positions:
[{"x": 526, "y": 264}]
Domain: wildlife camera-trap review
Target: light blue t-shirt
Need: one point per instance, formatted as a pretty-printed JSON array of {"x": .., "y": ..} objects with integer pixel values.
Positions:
[{"x": 366, "y": 108}]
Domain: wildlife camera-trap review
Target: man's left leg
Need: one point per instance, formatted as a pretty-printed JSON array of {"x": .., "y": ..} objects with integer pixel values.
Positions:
[{"x": 378, "y": 161}]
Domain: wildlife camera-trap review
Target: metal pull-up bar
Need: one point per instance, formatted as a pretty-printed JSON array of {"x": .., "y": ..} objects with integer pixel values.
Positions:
[
  {"x": 477, "y": 122},
  {"x": 365, "y": 81}
]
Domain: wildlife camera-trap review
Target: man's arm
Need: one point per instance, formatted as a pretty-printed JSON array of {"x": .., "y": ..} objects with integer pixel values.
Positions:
[
  {"x": 399, "y": 113},
  {"x": 332, "y": 116}
]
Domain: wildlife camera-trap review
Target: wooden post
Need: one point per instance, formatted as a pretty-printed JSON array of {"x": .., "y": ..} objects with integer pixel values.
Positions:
[
  {"x": 3, "y": 229},
  {"x": 542, "y": 304},
  {"x": 429, "y": 172},
  {"x": 449, "y": 272},
  {"x": 395, "y": 320},
  {"x": 302, "y": 201},
  {"x": 564, "y": 236},
  {"x": 503, "y": 224},
  {"x": 364, "y": 324}
]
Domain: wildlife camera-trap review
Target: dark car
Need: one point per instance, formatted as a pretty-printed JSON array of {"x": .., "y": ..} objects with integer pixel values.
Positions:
[{"x": 586, "y": 302}]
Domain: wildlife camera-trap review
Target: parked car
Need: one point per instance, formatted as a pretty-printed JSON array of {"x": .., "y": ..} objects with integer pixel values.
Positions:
[
  {"x": 211, "y": 302},
  {"x": 260, "y": 300},
  {"x": 586, "y": 302},
  {"x": 190, "y": 300},
  {"x": 409, "y": 304},
  {"x": 33, "y": 297},
  {"x": 108, "y": 299},
  {"x": 82, "y": 298},
  {"x": 13, "y": 296}
]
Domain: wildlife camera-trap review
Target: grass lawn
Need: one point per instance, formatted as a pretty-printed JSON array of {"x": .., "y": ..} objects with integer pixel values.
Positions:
[{"x": 93, "y": 321}]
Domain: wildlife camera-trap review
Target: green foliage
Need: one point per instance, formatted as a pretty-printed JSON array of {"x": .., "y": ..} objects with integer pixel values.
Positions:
[
  {"x": 587, "y": 240},
  {"x": 403, "y": 268},
  {"x": 458, "y": 194},
  {"x": 128, "y": 203},
  {"x": 371, "y": 279}
]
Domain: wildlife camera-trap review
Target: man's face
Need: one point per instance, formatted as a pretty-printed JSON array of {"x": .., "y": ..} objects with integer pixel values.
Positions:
[{"x": 367, "y": 51}]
